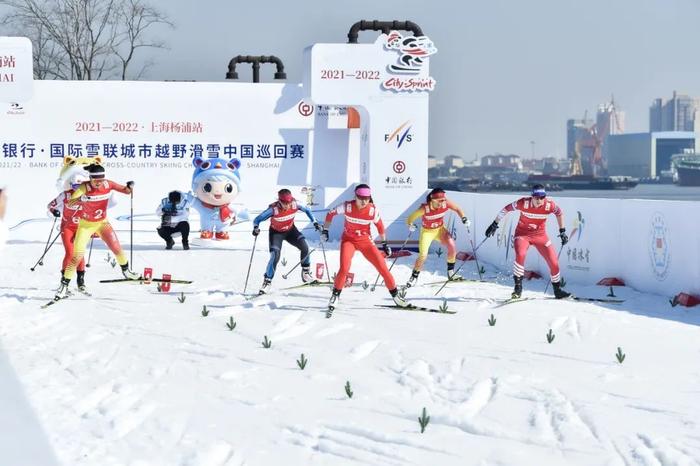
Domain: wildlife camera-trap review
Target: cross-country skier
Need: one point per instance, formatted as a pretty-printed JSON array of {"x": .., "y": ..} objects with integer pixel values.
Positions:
[
  {"x": 433, "y": 213},
  {"x": 94, "y": 197},
  {"x": 70, "y": 217},
  {"x": 282, "y": 228},
  {"x": 531, "y": 230},
  {"x": 360, "y": 213}
]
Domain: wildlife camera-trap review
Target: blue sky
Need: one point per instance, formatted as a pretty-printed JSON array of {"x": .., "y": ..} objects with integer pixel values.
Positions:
[{"x": 508, "y": 71}]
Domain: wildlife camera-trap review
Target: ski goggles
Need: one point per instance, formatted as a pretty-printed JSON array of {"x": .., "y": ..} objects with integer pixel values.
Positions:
[
  {"x": 539, "y": 193},
  {"x": 286, "y": 198},
  {"x": 97, "y": 176}
]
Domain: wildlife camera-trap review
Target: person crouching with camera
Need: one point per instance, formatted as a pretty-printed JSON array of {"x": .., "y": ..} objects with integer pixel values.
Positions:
[{"x": 174, "y": 211}]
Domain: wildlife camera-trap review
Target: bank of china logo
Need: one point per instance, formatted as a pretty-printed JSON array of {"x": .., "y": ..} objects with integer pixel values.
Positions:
[
  {"x": 400, "y": 135},
  {"x": 659, "y": 247},
  {"x": 579, "y": 224},
  {"x": 412, "y": 52}
]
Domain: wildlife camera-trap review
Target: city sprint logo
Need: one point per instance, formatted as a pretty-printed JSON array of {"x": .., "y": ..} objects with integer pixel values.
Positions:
[{"x": 400, "y": 135}]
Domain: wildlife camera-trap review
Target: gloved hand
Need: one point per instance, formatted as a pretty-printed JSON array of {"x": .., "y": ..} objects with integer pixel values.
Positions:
[
  {"x": 324, "y": 235},
  {"x": 466, "y": 222},
  {"x": 256, "y": 230},
  {"x": 411, "y": 227},
  {"x": 130, "y": 184},
  {"x": 56, "y": 213},
  {"x": 386, "y": 249},
  {"x": 491, "y": 230},
  {"x": 317, "y": 226},
  {"x": 563, "y": 237}
]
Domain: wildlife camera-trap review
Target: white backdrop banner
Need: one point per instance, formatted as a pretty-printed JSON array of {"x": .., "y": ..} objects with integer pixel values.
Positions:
[{"x": 652, "y": 245}]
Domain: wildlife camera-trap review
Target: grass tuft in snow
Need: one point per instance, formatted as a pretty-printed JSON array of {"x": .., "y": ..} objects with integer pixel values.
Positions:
[
  {"x": 205, "y": 311},
  {"x": 113, "y": 263},
  {"x": 423, "y": 420},
  {"x": 182, "y": 298},
  {"x": 620, "y": 355},
  {"x": 443, "y": 307},
  {"x": 231, "y": 324},
  {"x": 482, "y": 270},
  {"x": 550, "y": 336},
  {"x": 438, "y": 252},
  {"x": 284, "y": 262},
  {"x": 348, "y": 389},
  {"x": 301, "y": 362},
  {"x": 492, "y": 320},
  {"x": 365, "y": 285},
  {"x": 266, "y": 343}
]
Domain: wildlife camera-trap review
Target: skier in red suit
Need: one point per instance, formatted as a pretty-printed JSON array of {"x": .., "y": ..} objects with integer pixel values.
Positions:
[
  {"x": 531, "y": 230},
  {"x": 359, "y": 214}
]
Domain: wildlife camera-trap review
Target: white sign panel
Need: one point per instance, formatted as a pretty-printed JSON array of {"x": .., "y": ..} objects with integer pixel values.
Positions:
[{"x": 16, "y": 71}]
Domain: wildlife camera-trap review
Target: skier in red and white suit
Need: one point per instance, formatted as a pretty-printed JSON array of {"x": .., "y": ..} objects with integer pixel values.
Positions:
[
  {"x": 531, "y": 230},
  {"x": 70, "y": 217},
  {"x": 360, "y": 213}
]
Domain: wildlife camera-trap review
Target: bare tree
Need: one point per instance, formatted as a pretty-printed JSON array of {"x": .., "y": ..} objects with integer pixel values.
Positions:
[{"x": 84, "y": 39}]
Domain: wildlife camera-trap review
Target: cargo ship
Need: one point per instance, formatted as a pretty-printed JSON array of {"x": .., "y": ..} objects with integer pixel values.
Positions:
[
  {"x": 688, "y": 172},
  {"x": 587, "y": 182}
]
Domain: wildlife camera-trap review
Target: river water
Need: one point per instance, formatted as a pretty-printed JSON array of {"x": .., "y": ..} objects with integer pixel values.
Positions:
[{"x": 641, "y": 191}]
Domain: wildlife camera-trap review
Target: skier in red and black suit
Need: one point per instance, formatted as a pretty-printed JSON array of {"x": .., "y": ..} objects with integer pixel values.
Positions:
[
  {"x": 70, "y": 217},
  {"x": 360, "y": 213},
  {"x": 282, "y": 214},
  {"x": 531, "y": 230}
]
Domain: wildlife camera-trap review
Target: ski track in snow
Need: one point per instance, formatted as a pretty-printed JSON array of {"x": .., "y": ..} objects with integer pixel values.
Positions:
[{"x": 134, "y": 377}]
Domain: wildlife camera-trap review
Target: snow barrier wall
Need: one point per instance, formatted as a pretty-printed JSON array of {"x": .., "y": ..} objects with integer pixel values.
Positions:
[{"x": 653, "y": 246}]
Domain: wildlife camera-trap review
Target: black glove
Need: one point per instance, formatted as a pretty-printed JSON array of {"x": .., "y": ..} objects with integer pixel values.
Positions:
[
  {"x": 491, "y": 230},
  {"x": 256, "y": 230},
  {"x": 386, "y": 249},
  {"x": 324, "y": 235},
  {"x": 317, "y": 226},
  {"x": 562, "y": 235},
  {"x": 56, "y": 213}
]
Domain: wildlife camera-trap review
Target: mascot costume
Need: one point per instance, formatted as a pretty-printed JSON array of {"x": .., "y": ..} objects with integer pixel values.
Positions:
[{"x": 215, "y": 184}]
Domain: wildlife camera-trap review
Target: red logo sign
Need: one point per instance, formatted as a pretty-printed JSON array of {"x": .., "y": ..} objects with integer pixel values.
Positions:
[
  {"x": 165, "y": 284},
  {"x": 399, "y": 167},
  {"x": 349, "y": 278},
  {"x": 319, "y": 271},
  {"x": 305, "y": 109}
]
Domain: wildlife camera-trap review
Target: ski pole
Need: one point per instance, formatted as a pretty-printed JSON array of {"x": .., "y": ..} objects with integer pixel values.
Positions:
[
  {"x": 478, "y": 267},
  {"x": 462, "y": 264},
  {"x": 249, "y": 264},
  {"x": 394, "y": 262},
  {"x": 328, "y": 272},
  {"x": 558, "y": 255},
  {"x": 285, "y": 275},
  {"x": 47, "y": 250},
  {"x": 92, "y": 240},
  {"x": 46, "y": 246},
  {"x": 131, "y": 230}
]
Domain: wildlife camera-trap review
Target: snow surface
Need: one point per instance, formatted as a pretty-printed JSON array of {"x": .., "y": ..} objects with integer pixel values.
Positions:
[{"x": 134, "y": 377}]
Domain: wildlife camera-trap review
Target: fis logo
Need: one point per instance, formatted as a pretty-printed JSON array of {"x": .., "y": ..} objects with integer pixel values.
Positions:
[
  {"x": 579, "y": 223},
  {"x": 400, "y": 135}
]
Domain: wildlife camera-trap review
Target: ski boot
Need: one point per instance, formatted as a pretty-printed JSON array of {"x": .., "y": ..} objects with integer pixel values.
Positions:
[
  {"x": 221, "y": 235},
  {"x": 185, "y": 244},
  {"x": 63, "y": 291},
  {"x": 81, "y": 281},
  {"x": 413, "y": 280},
  {"x": 332, "y": 302},
  {"x": 266, "y": 285},
  {"x": 398, "y": 300},
  {"x": 558, "y": 292},
  {"x": 451, "y": 274},
  {"x": 206, "y": 234},
  {"x": 128, "y": 274},
  {"x": 306, "y": 276},
  {"x": 518, "y": 288},
  {"x": 169, "y": 243}
]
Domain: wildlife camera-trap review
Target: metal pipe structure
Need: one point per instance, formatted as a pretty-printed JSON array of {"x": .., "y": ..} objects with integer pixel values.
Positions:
[
  {"x": 255, "y": 60},
  {"x": 384, "y": 26}
]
